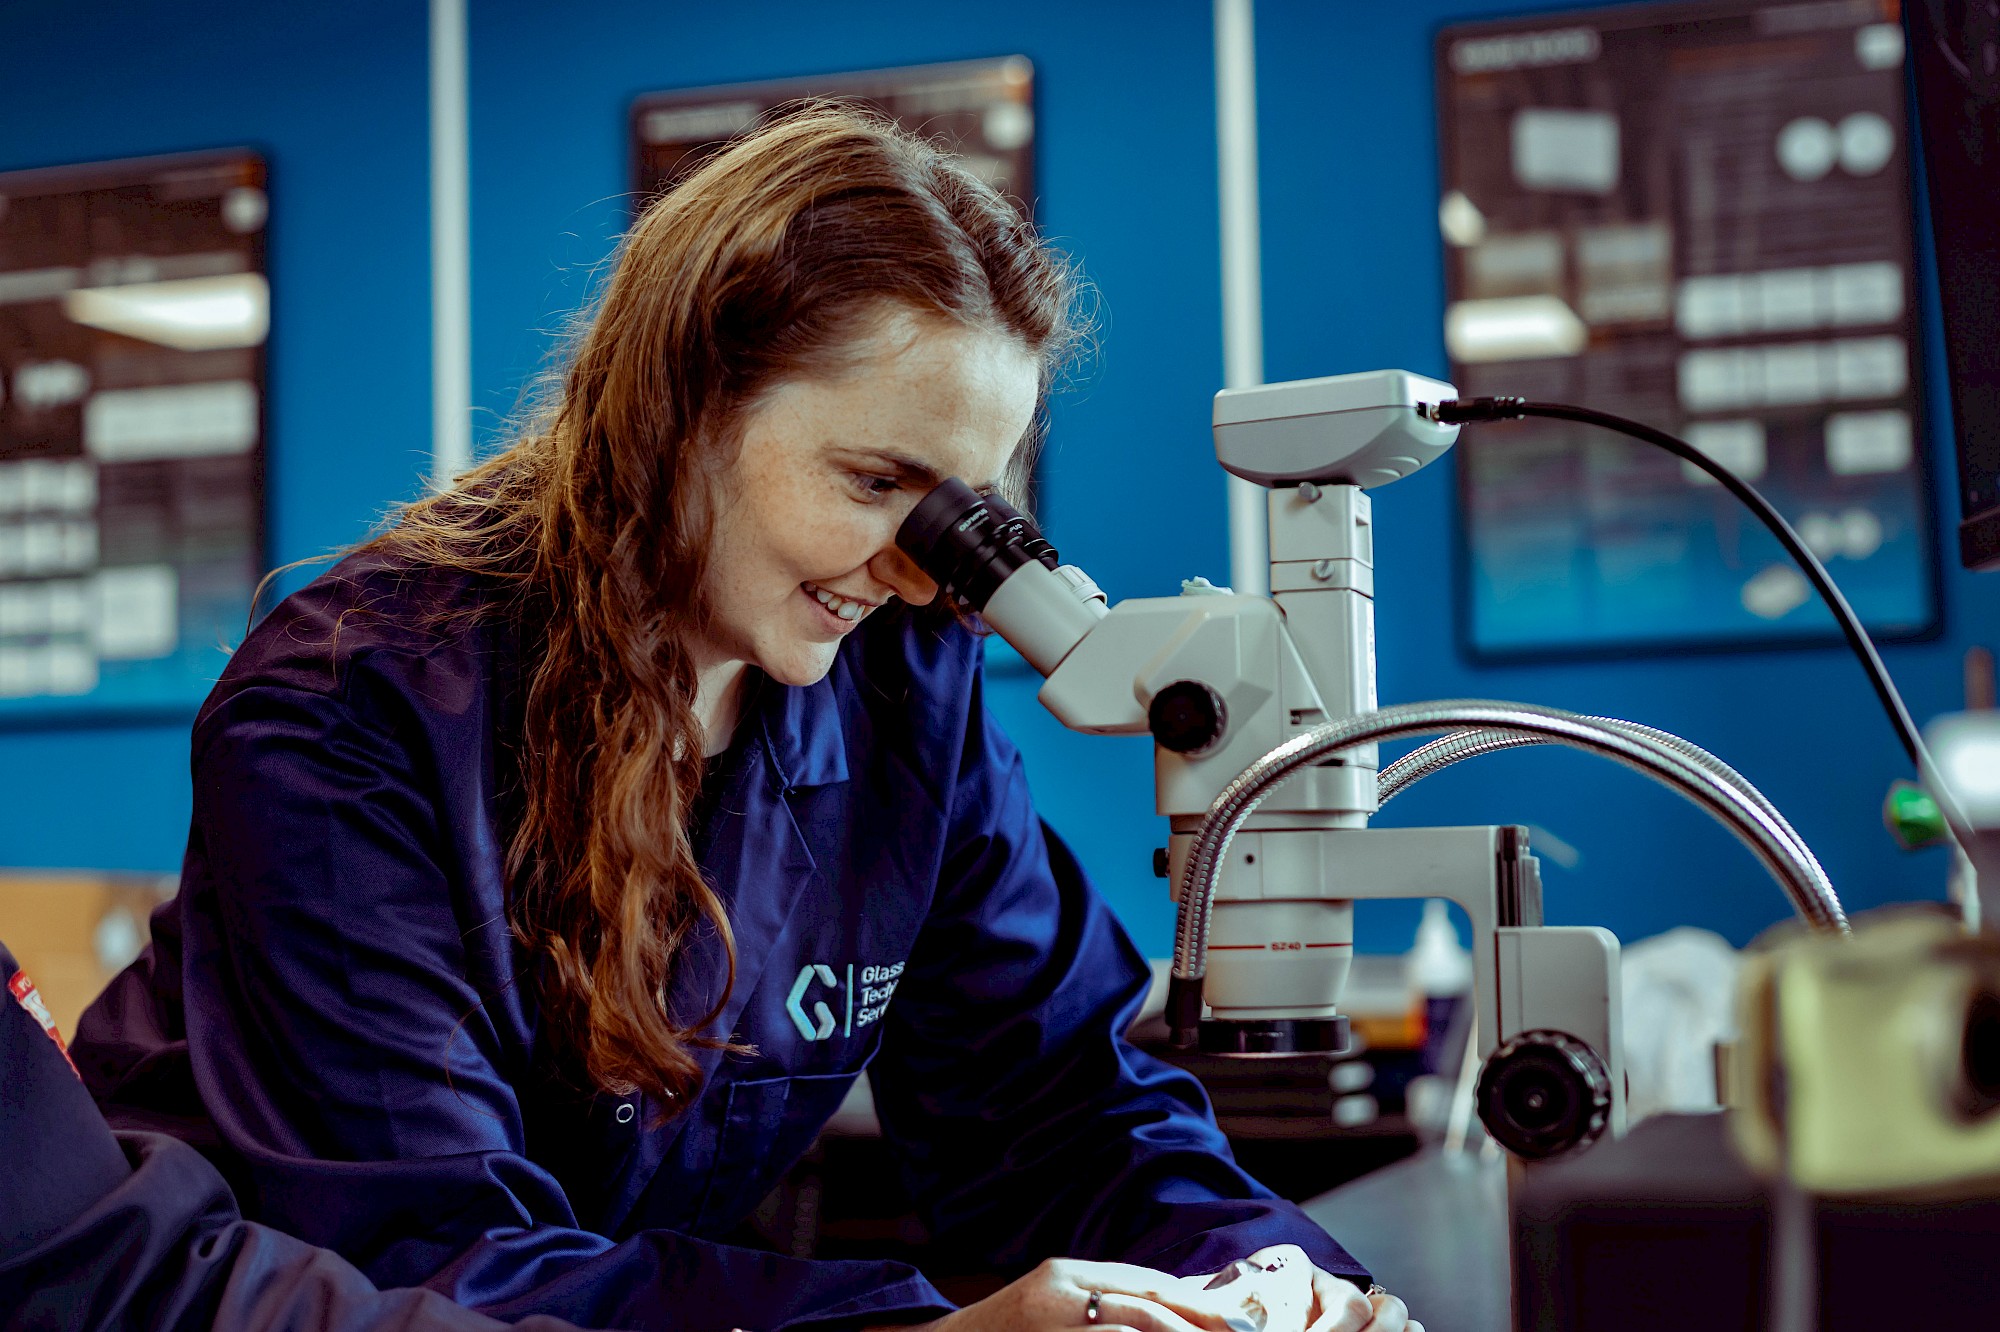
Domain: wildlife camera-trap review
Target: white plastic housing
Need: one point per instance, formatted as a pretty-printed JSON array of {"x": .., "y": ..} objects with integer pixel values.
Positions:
[
  {"x": 1287, "y": 958},
  {"x": 1237, "y": 646},
  {"x": 1043, "y": 614},
  {"x": 1323, "y": 578},
  {"x": 1565, "y": 978},
  {"x": 1368, "y": 429}
]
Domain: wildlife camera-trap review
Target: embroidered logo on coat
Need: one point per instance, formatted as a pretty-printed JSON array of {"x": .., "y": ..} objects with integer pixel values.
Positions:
[
  {"x": 860, "y": 1005},
  {"x": 29, "y": 998}
]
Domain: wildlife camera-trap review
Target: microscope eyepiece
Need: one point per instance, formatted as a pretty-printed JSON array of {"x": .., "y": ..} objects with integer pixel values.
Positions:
[{"x": 969, "y": 543}]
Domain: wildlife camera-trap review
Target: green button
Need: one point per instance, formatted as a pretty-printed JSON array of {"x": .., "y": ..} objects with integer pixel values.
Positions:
[{"x": 1912, "y": 817}]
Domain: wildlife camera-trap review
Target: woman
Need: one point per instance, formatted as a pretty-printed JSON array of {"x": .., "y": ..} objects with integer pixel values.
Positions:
[{"x": 560, "y": 858}]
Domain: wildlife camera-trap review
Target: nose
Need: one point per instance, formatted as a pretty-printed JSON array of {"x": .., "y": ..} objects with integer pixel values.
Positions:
[{"x": 901, "y": 575}]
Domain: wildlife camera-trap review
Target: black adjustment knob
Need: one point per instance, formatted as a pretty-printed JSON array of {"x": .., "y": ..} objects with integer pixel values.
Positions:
[
  {"x": 1187, "y": 717},
  {"x": 1544, "y": 1093},
  {"x": 1159, "y": 862}
]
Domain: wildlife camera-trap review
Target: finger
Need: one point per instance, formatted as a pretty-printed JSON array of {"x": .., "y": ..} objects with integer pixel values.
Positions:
[
  {"x": 1144, "y": 1315},
  {"x": 1183, "y": 1298},
  {"x": 1340, "y": 1305},
  {"x": 1391, "y": 1314},
  {"x": 1125, "y": 1278}
]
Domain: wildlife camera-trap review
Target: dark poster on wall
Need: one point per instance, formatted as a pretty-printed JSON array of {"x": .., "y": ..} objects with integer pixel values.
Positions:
[
  {"x": 1698, "y": 215},
  {"x": 133, "y": 315},
  {"x": 982, "y": 110}
]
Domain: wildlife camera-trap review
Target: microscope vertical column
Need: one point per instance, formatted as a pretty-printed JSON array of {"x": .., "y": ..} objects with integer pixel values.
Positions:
[{"x": 1323, "y": 578}]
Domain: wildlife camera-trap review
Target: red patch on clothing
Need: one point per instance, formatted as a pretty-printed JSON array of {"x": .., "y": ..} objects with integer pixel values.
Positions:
[{"x": 25, "y": 994}]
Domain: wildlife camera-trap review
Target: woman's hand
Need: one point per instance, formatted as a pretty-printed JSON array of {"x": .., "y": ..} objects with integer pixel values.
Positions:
[
  {"x": 1273, "y": 1290},
  {"x": 1279, "y": 1290},
  {"x": 1340, "y": 1305},
  {"x": 1071, "y": 1293}
]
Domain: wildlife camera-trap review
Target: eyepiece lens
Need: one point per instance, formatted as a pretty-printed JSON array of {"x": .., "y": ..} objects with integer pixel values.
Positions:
[{"x": 968, "y": 543}]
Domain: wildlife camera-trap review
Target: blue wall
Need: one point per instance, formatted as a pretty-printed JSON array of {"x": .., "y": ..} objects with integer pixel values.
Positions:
[
  {"x": 1353, "y": 281},
  {"x": 1354, "y": 278},
  {"x": 335, "y": 97}
]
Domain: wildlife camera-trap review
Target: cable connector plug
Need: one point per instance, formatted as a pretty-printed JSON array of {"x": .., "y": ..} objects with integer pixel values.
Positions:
[{"x": 1460, "y": 410}]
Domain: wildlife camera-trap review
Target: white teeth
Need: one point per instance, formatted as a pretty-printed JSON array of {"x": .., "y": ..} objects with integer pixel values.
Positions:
[{"x": 839, "y": 605}]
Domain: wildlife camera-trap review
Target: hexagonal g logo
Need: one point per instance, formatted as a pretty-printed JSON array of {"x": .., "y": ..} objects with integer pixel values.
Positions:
[{"x": 820, "y": 1024}]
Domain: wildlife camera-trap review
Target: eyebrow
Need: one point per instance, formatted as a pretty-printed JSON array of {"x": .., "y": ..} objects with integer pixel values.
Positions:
[{"x": 920, "y": 473}]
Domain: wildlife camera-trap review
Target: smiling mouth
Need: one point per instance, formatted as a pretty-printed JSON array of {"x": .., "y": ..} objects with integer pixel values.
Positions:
[{"x": 842, "y": 608}]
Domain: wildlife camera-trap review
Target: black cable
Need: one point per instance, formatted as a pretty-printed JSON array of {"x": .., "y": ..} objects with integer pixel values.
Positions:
[{"x": 1506, "y": 409}]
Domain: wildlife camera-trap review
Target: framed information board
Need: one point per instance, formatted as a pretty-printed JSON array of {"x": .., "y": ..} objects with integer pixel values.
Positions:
[
  {"x": 983, "y": 110},
  {"x": 133, "y": 315},
  {"x": 1697, "y": 215}
]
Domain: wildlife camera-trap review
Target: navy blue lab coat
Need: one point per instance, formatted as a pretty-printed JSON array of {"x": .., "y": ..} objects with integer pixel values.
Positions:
[
  {"x": 336, "y": 1010},
  {"x": 136, "y": 1232}
]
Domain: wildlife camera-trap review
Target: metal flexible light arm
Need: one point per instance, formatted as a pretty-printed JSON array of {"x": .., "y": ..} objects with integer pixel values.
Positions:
[
  {"x": 1442, "y": 753},
  {"x": 1745, "y": 817}
]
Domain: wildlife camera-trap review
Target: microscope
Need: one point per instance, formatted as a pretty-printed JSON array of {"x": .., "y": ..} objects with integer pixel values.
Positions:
[{"x": 1265, "y": 724}]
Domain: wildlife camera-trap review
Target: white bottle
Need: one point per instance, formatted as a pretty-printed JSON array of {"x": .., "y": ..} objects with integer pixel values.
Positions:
[
  {"x": 1439, "y": 964},
  {"x": 1441, "y": 969}
]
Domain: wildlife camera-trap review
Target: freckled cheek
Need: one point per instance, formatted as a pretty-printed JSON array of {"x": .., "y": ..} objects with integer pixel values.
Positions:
[
  {"x": 808, "y": 528},
  {"x": 827, "y": 546}
]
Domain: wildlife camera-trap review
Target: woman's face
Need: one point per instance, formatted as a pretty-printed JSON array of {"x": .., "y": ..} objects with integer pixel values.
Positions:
[{"x": 805, "y": 544}]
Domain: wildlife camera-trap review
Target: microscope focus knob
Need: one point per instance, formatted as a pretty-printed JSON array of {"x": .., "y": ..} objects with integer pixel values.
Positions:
[
  {"x": 1544, "y": 1093},
  {"x": 1187, "y": 717}
]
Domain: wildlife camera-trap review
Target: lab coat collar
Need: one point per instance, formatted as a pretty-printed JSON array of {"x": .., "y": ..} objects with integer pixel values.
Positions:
[{"x": 803, "y": 734}]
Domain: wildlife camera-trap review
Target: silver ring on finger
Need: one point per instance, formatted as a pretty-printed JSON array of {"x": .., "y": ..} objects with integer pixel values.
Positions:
[{"x": 1091, "y": 1310}]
